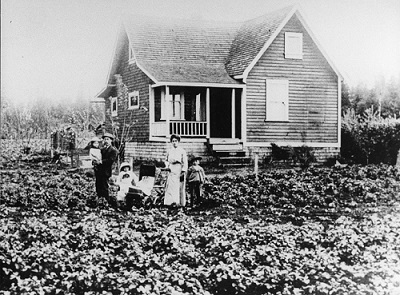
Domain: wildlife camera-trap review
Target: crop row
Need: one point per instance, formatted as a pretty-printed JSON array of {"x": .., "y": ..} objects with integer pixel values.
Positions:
[
  {"x": 157, "y": 252},
  {"x": 336, "y": 187},
  {"x": 42, "y": 185}
]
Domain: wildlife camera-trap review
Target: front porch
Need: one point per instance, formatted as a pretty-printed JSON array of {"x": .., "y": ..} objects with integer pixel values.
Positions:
[
  {"x": 196, "y": 112},
  {"x": 197, "y": 129}
]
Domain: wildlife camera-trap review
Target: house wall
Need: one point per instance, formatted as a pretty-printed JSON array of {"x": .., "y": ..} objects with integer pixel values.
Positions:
[
  {"x": 158, "y": 150},
  {"x": 134, "y": 79},
  {"x": 313, "y": 94}
]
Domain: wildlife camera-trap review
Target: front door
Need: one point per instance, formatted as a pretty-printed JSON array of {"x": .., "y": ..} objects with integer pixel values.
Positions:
[{"x": 221, "y": 113}]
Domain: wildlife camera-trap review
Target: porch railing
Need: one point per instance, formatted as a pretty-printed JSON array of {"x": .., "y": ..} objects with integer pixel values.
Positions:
[{"x": 183, "y": 128}]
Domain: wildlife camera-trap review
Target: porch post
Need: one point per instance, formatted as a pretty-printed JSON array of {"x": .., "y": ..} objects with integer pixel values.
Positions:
[
  {"x": 233, "y": 114},
  {"x": 208, "y": 112},
  {"x": 244, "y": 115},
  {"x": 151, "y": 110},
  {"x": 167, "y": 109}
]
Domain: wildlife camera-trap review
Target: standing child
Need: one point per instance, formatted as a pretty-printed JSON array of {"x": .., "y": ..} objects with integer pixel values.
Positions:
[{"x": 196, "y": 177}]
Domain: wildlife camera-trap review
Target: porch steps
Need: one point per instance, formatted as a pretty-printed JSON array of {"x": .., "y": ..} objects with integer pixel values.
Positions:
[
  {"x": 234, "y": 161},
  {"x": 228, "y": 152}
]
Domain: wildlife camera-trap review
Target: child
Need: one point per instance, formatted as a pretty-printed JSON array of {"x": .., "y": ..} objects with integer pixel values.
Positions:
[
  {"x": 126, "y": 179},
  {"x": 95, "y": 152},
  {"x": 196, "y": 177}
]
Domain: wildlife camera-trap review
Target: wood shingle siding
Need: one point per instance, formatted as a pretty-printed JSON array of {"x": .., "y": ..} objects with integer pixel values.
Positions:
[
  {"x": 313, "y": 93},
  {"x": 134, "y": 79}
]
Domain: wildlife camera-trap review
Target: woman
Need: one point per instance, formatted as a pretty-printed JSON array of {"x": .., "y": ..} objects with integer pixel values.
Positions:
[{"x": 177, "y": 164}]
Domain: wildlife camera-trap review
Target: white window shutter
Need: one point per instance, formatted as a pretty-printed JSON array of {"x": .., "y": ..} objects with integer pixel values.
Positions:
[
  {"x": 277, "y": 100},
  {"x": 182, "y": 106},
  {"x": 198, "y": 118},
  {"x": 163, "y": 105},
  {"x": 293, "y": 45}
]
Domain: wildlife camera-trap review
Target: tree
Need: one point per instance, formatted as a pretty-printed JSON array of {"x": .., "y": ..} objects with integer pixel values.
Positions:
[{"x": 346, "y": 103}]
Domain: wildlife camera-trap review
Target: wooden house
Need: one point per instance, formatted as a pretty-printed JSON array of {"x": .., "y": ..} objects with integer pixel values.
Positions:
[{"x": 229, "y": 89}]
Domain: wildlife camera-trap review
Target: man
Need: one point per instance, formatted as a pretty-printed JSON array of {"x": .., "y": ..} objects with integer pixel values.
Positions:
[{"x": 103, "y": 169}]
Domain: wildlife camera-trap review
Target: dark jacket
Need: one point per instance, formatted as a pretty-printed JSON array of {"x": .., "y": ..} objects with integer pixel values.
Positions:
[{"x": 108, "y": 156}]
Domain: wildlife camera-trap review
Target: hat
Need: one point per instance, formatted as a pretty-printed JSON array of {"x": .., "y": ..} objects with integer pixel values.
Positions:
[
  {"x": 109, "y": 135},
  {"x": 195, "y": 159},
  {"x": 125, "y": 164},
  {"x": 95, "y": 139},
  {"x": 175, "y": 136}
]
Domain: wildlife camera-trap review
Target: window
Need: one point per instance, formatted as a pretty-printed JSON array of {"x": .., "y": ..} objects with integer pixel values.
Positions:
[
  {"x": 277, "y": 100},
  {"x": 114, "y": 106},
  {"x": 176, "y": 107},
  {"x": 198, "y": 107},
  {"x": 133, "y": 100},
  {"x": 294, "y": 45},
  {"x": 176, "y": 104}
]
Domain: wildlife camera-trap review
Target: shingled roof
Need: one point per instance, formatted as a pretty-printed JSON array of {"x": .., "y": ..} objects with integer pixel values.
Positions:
[
  {"x": 182, "y": 50},
  {"x": 251, "y": 38},
  {"x": 188, "y": 51}
]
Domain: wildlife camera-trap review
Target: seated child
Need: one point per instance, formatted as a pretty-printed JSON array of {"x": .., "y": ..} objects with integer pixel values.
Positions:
[
  {"x": 195, "y": 177},
  {"x": 126, "y": 179}
]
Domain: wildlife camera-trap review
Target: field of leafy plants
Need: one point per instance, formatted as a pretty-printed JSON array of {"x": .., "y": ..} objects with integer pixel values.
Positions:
[{"x": 319, "y": 231}]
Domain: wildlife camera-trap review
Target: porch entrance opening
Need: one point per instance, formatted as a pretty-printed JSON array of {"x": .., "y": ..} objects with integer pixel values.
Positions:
[{"x": 221, "y": 113}]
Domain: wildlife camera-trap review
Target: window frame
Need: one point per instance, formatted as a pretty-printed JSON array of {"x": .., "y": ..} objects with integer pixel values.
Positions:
[
  {"x": 170, "y": 99},
  {"x": 114, "y": 113},
  {"x": 270, "y": 99},
  {"x": 130, "y": 95},
  {"x": 293, "y": 45}
]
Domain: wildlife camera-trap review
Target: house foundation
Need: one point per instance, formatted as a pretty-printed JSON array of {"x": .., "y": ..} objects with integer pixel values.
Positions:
[{"x": 156, "y": 151}]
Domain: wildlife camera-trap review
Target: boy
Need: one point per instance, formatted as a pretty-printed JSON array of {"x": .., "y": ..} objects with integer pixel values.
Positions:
[{"x": 195, "y": 177}]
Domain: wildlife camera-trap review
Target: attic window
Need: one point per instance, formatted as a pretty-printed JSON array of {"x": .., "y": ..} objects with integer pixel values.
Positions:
[{"x": 293, "y": 45}]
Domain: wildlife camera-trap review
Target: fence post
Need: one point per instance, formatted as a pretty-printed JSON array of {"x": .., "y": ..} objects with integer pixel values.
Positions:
[
  {"x": 398, "y": 158},
  {"x": 256, "y": 165}
]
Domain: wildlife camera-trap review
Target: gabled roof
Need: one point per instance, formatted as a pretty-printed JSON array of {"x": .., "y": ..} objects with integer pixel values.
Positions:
[
  {"x": 251, "y": 38},
  {"x": 205, "y": 52}
]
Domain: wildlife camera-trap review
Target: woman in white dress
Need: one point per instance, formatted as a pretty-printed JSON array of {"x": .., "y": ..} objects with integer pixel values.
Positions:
[{"x": 176, "y": 182}]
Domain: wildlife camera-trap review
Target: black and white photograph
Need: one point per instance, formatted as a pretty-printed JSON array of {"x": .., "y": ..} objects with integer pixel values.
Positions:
[{"x": 200, "y": 147}]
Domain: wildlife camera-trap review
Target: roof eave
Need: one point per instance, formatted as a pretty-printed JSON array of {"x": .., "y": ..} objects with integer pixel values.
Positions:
[
  {"x": 199, "y": 84},
  {"x": 104, "y": 93}
]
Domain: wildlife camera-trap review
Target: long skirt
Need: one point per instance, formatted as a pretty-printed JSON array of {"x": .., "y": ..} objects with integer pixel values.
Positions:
[{"x": 175, "y": 188}]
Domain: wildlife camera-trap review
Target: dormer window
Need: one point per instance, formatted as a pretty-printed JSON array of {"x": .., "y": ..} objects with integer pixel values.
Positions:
[
  {"x": 132, "y": 58},
  {"x": 293, "y": 45}
]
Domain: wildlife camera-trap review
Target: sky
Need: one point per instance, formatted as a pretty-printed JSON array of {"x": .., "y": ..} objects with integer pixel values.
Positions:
[{"x": 62, "y": 49}]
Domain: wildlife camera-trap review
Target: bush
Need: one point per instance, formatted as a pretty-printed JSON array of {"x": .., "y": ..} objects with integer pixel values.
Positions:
[
  {"x": 302, "y": 155},
  {"x": 370, "y": 139}
]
